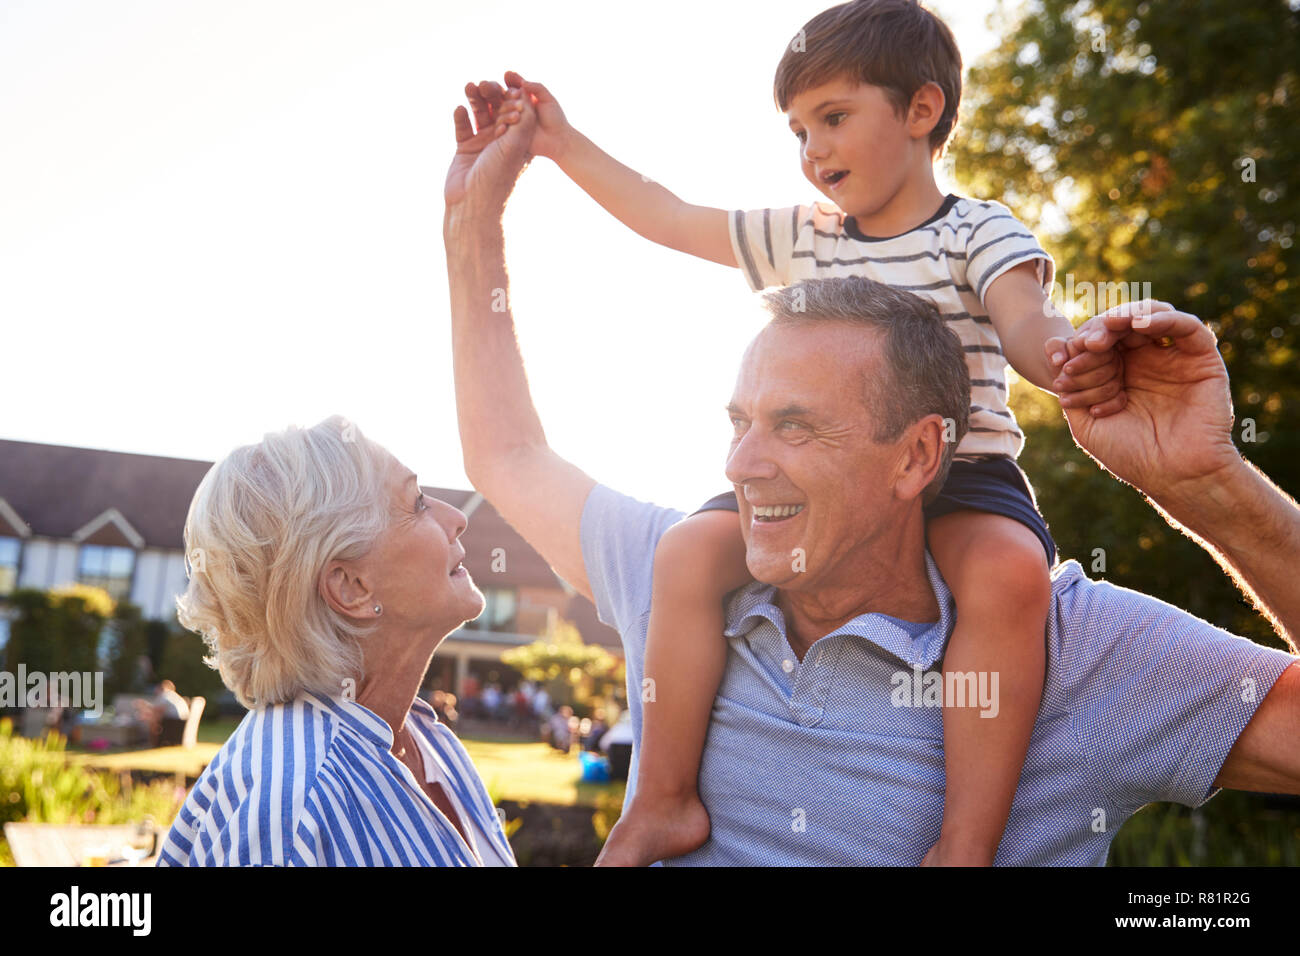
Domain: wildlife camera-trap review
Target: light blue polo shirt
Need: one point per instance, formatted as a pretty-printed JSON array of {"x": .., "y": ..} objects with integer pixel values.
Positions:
[{"x": 827, "y": 761}]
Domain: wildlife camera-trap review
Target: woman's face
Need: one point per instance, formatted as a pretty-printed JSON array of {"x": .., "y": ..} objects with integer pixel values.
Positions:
[{"x": 415, "y": 565}]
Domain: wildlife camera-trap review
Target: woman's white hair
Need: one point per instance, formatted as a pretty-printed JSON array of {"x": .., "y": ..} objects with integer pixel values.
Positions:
[{"x": 264, "y": 523}]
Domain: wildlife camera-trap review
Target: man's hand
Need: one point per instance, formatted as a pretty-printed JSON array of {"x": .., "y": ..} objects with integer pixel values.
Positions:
[
  {"x": 1174, "y": 434},
  {"x": 553, "y": 134},
  {"x": 1173, "y": 441},
  {"x": 490, "y": 154}
]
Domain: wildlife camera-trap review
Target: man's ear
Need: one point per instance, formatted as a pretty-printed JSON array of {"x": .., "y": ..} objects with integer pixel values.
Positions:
[
  {"x": 925, "y": 110},
  {"x": 346, "y": 591},
  {"x": 920, "y": 457}
]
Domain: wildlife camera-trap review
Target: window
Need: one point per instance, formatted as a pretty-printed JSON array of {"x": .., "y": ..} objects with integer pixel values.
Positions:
[
  {"x": 10, "y": 549},
  {"x": 107, "y": 568},
  {"x": 499, "y": 614}
]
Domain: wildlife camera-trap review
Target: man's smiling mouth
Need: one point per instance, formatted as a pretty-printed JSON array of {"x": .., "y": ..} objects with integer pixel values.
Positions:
[{"x": 767, "y": 513}]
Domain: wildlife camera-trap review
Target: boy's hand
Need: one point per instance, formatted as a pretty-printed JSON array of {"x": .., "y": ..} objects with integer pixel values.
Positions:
[
  {"x": 1087, "y": 377},
  {"x": 553, "y": 132},
  {"x": 1082, "y": 361}
]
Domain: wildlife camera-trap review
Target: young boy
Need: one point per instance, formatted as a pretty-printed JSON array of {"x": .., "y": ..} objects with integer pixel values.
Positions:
[{"x": 871, "y": 94}]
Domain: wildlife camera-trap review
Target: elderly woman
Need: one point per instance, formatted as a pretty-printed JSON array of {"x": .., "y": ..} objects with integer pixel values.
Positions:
[{"x": 323, "y": 580}]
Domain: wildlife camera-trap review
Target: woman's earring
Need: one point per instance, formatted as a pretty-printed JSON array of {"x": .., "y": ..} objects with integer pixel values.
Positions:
[{"x": 379, "y": 609}]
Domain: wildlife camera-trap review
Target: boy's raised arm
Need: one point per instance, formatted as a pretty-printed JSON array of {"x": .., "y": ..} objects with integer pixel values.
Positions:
[
  {"x": 641, "y": 204},
  {"x": 1030, "y": 330}
]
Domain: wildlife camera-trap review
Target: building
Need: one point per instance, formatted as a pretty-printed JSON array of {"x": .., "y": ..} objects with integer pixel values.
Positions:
[{"x": 116, "y": 521}]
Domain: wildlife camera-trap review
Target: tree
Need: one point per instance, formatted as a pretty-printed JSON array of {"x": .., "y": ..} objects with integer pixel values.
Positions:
[
  {"x": 574, "y": 673},
  {"x": 58, "y": 630},
  {"x": 182, "y": 654},
  {"x": 1153, "y": 142}
]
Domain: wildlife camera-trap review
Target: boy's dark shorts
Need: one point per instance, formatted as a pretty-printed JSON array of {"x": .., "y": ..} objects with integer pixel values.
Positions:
[{"x": 995, "y": 485}]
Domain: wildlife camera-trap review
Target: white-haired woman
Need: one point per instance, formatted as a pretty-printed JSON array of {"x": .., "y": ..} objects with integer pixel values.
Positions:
[{"x": 323, "y": 580}]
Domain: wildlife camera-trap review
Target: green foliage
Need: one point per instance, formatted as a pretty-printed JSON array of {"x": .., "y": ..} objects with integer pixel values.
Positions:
[
  {"x": 1233, "y": 829},
  {"x": 182, "y": 663},
  {"x": 57, "y": 630},
  {"x": 509, "y": 826},
  {"x": 609, "y": 807},
  {"x": 39, "y": 784},
  {"x": 128, "y": 641},
  {"x": 1154, "y": 142},
  {"x": 580, "y": 675},
  {"x": 553, "y": 835},
  {"x": 62, "y": 630}
]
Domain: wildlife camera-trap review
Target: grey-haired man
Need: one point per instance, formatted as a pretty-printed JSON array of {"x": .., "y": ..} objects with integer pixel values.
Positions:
[{"x": 811, "y": 757}]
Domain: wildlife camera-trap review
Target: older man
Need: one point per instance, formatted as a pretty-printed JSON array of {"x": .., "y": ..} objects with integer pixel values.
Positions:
[{"x": 823, "y": 746}]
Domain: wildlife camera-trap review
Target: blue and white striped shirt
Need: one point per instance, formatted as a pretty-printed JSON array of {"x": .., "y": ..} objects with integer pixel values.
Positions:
[
  {"x": 313, "y": 783},
  {"x": 821, "y": 761}
]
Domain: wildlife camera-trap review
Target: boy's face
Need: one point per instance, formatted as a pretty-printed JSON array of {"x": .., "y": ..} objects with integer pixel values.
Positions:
[{"x": 852, "y": 145}]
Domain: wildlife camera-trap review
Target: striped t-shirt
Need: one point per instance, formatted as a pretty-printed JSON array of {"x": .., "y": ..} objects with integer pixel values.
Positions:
[
  {"x": 313, "y": 783},
  {"x": 951, "y": 259}
]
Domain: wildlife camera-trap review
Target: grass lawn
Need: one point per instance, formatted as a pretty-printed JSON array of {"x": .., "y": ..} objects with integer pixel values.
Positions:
[
  {"x": 533, "y": 772},
  {"x": 523, "y": 771},
  {"x": 217, "y": 731},
  {"x": 173, "y": 760}
]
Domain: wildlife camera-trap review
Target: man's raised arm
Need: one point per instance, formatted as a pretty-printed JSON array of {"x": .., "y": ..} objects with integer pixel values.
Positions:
[
  {"x": 506, "y": 455},
  {"x": 1173, "y": 442}
]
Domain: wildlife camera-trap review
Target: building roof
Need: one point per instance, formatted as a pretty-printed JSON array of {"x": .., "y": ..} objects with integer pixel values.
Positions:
[
  {"x": 494, "y": 551},
  {"x": 59, "y": 491}
]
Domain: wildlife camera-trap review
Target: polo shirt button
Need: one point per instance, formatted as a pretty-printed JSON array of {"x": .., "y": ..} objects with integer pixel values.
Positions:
[{"x": 787, "y": 666}]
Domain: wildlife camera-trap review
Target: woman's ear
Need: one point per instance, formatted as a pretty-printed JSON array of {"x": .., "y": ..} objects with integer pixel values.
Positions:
[{"x": 346, "y": 591}]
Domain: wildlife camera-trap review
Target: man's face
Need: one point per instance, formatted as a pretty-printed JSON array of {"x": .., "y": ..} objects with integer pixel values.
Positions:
[
  {"x": 815, "y": 489},
  {"x": 852, "y": 145}
]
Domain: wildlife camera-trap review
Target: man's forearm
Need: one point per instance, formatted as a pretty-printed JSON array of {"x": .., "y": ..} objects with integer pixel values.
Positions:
[
  {"x": 1252, "y": 528},
  {"x": 506, "y": 455},
  {"x": 495, "y": 407}
]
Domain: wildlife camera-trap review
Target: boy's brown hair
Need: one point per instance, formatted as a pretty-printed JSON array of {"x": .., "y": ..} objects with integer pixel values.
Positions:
[{"x": 897, "y": 45}]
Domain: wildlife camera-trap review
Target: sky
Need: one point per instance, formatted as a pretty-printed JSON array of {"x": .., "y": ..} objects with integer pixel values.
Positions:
[{"x": 219, "y": 218}]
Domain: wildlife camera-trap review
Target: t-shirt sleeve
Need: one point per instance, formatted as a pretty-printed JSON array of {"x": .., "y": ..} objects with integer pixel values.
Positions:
[
  {"x": 763, "y": 241},
  {"x": 619, "y": 535},
  {"x": 998, "y": 242},
  {"x": 1161, "y": 695}
]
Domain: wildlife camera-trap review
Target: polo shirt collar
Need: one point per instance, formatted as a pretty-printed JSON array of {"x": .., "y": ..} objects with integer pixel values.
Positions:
[{"x": 756, "y": 602}]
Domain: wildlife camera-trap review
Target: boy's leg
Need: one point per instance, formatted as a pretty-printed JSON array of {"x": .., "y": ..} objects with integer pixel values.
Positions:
[
  {"x": 696, "y": 563},
  {"x": 998, "y": 575}
]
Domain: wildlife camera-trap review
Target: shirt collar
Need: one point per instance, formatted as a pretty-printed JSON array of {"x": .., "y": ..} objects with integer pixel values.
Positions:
[
  {"x": 854, "y": 231},
  {"x": 756, "y": 602},
  {"x": 356, "y": 719}
]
